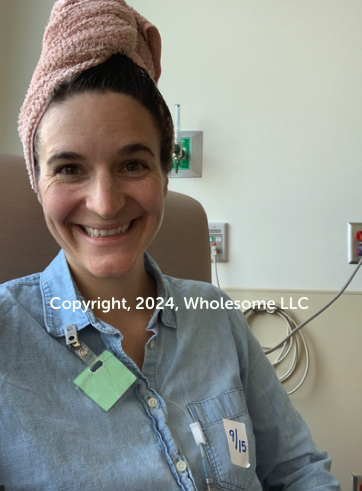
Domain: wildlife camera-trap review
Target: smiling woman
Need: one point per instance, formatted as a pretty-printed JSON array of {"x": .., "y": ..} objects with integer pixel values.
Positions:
[
  {"x": 179, "y": 397},
  {"x": 101, "y": 183}
]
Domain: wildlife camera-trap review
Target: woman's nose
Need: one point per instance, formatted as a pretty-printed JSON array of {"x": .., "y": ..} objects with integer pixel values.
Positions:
[{"x": 106, "y": 196}]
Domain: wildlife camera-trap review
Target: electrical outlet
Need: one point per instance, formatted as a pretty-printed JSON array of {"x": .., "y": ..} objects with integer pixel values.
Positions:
[
  {"x": 353, "y": 228},
  {"x": 356, "y": 482},
  {"x": 218, "y": 234}
]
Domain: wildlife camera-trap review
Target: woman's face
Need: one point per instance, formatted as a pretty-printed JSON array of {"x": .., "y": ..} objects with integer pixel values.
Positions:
[{"x": 101, "y": 184}]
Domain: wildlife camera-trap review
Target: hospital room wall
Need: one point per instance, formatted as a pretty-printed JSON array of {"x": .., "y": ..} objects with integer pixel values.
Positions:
[
  {"x": 276, "y": 88},
  {"x": 275, "y": 85},
  {"x": 21, "y": 29}
]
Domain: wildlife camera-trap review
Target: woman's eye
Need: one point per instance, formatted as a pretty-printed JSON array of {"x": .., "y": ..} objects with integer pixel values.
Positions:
[
  {"x": 134, "y": 167},
  {"x": 69, "y": 170}
]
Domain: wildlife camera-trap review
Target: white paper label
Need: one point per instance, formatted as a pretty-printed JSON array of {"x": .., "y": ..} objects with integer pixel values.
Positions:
[{"x": 238, "y": 442}]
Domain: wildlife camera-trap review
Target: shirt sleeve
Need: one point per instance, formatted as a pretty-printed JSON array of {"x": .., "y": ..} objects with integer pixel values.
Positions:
[{"x": 286, "y": 456}]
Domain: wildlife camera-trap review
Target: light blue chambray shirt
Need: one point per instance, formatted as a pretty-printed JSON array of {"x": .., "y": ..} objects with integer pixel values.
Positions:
[{"x": 200, "y": 365}]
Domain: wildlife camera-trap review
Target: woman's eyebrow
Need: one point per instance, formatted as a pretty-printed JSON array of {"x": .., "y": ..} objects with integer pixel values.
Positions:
[
  {"x": 126, "y": 150},
  {"x": 135, "y": 147},
  {"x": 64, "y": 156}
]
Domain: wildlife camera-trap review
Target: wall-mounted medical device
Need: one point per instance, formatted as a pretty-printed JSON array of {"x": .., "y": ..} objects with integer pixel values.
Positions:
[
  {"x": 218, "y": 233},
  {"x": 187, "y": 156}
]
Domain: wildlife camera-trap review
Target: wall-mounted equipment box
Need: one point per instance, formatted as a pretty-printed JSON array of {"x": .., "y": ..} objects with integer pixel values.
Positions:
[{"x": 190, "y": 164}]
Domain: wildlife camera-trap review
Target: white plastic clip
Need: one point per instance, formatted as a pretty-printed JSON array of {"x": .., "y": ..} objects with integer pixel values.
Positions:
[{"x": 198, "y": 434}]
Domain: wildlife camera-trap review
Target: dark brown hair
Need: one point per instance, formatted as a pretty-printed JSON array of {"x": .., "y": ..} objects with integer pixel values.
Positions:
[{"x": 121, "y": 75}]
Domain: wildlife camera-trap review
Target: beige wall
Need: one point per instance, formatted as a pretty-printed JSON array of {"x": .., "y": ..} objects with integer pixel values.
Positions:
[
  {"x": 276, "y": 87},
  {"x": 6, "y": 21},
  {"x": 22, "y": 24}
]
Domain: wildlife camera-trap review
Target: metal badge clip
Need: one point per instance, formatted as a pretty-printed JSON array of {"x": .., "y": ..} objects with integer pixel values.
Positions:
[
  {"x": 80, "y": 349},
  {"x": 71, "y": 336}
]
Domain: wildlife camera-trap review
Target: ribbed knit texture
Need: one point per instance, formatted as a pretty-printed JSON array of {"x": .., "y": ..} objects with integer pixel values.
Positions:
[{"x": 81, "y": 34}]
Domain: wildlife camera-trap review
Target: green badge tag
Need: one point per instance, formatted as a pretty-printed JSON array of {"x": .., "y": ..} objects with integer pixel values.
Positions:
[{"x": 106, "y": 380}]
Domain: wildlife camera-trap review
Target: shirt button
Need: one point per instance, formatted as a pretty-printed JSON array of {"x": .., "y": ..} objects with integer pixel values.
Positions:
[
  {"x": 181, "y": 466},
  {"x": 152, "y": 402},
  {"x": 152, "y": 344}
]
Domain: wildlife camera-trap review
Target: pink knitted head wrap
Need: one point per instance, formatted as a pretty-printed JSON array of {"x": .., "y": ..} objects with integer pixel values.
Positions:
[{"x": 81, "y": 34}]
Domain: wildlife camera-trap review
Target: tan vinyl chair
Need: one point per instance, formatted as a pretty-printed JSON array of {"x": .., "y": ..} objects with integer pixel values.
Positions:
[{"x": 181, "y": 247}]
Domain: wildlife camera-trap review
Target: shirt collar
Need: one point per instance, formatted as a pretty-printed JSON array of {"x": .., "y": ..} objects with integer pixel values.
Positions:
[
  {"x": 57, "y": 286},
  {"x": 167, "y": 313}
]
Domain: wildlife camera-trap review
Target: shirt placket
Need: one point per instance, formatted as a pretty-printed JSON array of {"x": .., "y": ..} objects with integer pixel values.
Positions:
[{"x": 155, "y": 408}]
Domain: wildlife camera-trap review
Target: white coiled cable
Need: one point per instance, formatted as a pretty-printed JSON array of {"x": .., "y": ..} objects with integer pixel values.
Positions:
[
  {"x": 290, "y": 345},
  {"x": 292, "y": 330}
]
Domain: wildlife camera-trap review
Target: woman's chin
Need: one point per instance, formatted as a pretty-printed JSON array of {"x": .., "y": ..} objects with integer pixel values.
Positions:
[
  {"x": 110, "y": 270},
  {"x": 102, "y": 268}
]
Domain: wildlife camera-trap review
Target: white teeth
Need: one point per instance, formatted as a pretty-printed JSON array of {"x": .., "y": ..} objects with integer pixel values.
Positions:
[{"x": 105, "y": 233}]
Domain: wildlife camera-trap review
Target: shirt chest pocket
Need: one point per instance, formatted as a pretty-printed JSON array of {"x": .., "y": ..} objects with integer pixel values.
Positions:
[{"x": 210, "y": 414}]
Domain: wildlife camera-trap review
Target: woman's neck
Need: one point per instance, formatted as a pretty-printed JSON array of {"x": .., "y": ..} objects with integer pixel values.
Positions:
[
  {"x": 137, "y": 283},
  {"x": 124, "y": 316}
]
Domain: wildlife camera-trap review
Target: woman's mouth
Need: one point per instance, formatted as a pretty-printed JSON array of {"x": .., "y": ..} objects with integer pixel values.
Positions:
[{"x": 95, "y": 232}]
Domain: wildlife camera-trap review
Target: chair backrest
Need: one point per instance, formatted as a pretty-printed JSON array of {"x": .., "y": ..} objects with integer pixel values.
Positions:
[{"x": 181, "y": 247}]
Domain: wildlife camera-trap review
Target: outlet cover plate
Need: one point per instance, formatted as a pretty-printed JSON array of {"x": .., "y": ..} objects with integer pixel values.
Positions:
[
  {"x": 356, "y": 482},
  {"x": 218, "y": 232},
  {"x": 353, "y": 227}
]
